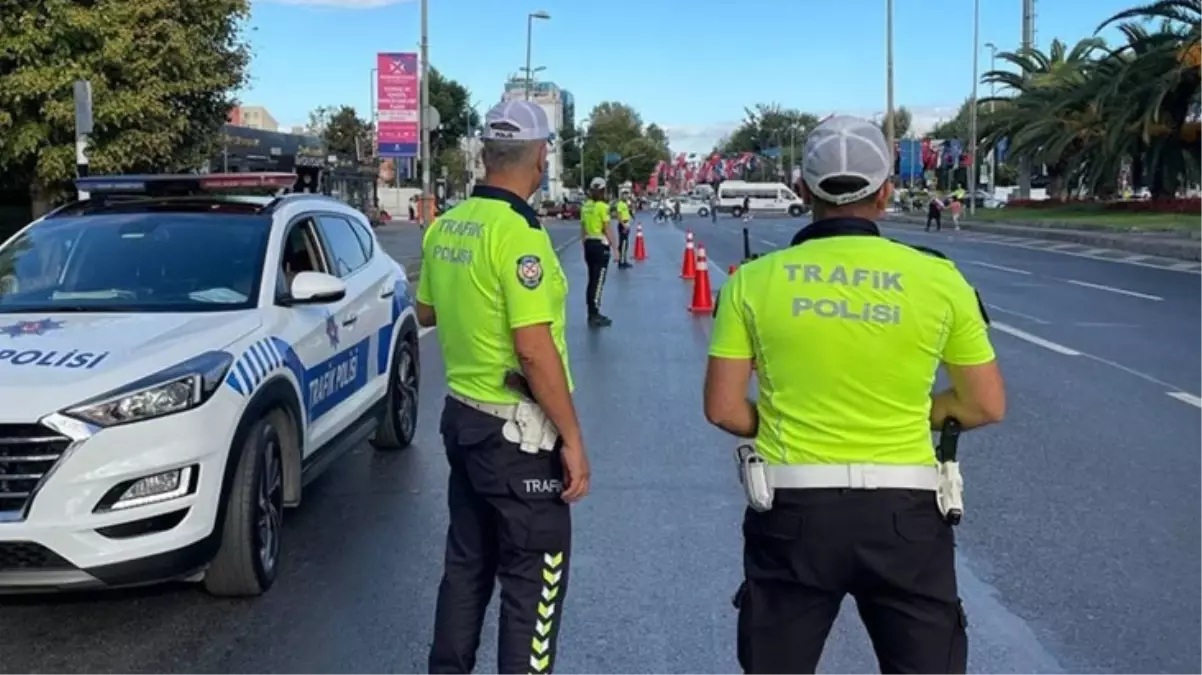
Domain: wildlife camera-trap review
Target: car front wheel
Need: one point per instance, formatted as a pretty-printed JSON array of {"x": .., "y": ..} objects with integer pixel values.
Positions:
[
  {"x": 736, "y": 211},
  {"x": 796, "y": 211},
  {"x": 248, "y": 561},
  {"x": 703, "y": 212},
  {"x": 399, "y": 423}
]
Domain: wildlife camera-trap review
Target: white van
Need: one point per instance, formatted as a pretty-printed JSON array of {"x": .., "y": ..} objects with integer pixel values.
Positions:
[{"x": 764, "y": 198}]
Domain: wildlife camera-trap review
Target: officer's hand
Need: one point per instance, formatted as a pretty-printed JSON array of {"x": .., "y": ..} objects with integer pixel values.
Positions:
[{"x": 576, "y": 472}]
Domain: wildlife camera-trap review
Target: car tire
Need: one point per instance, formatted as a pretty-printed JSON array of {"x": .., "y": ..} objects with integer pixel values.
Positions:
[
  {"x": 796, "y": 211},
  {"x": 248, "y": 559},
  {"x": 703, "y": 212},
  {"x": 736, "y": 211},
  {"x": 398, "y": 425}
]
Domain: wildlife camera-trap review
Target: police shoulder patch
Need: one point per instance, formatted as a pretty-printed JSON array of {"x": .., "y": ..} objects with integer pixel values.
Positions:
[{"x": 530, "y": 271}]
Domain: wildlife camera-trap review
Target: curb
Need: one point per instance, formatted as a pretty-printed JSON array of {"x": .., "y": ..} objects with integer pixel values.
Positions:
[{"x": 1146, "y": 244}]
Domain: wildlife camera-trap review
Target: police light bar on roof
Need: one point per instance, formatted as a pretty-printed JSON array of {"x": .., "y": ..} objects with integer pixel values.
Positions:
[{"x": 185, "y": 184}]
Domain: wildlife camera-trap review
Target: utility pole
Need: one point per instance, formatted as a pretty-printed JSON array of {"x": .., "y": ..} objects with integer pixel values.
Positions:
[
  {"x": 1024, "y": 163},
  {"x": 889, "y": 80},
  {"x": 974, "y": 164},
  {"x": 424, "y": 116}
]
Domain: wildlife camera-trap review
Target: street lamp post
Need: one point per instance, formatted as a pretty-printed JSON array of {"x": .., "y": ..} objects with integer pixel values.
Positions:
[
  {"x": 529, "y": 35},
  {"x": 992, "y": 104},
  {"x": 889, "y": 78},
  {"x": 375, "y": 138},
  {"x": 972, "y": 113},
  {"x": 424, "y": 116}
]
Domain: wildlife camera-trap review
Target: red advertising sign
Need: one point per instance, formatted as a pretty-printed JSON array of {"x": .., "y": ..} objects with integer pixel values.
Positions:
[{"x": 398, "y": 97}]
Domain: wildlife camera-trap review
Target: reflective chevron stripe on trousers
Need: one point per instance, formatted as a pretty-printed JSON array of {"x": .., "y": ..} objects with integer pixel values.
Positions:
[{"x": 507, "y": 522}]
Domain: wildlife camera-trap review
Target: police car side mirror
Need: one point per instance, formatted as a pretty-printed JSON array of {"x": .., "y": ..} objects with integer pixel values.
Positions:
[{"x": 316, "y": 288}]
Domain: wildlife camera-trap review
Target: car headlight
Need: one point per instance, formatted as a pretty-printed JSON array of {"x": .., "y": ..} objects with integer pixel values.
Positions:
[{"x": 176, "y": 389}]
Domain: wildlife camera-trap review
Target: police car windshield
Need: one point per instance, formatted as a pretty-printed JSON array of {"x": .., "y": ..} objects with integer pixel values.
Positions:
[{"x": 135, "y": 262}]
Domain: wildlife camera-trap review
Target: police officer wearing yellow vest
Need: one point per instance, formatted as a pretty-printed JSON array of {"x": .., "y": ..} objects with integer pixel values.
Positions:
[
  {"x": 597, "y": 240},
  {"x": 845, "y": 331},
  {"x": 492, "y": 283},
  {"x": 623, "y": 209}
]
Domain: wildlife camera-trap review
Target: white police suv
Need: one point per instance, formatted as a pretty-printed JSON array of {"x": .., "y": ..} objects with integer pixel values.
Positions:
[{"x": 175, "y": 363}]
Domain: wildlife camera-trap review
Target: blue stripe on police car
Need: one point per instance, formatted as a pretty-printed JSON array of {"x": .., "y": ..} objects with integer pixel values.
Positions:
[
  {"x": 257, "y": 362},
  {"x": 323, "y": 386}
]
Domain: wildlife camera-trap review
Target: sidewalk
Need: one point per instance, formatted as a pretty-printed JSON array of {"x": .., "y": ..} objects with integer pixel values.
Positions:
[
  {"x": 402, "y": 240},
  {"x": 1162, "y": 244}
]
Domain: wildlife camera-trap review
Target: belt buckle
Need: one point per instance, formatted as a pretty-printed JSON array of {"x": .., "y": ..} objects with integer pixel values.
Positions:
[{"x": 863, "y": 477}]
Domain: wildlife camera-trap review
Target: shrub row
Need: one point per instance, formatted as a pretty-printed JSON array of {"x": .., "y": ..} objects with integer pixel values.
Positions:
[{"x": 1189, "y": 205}]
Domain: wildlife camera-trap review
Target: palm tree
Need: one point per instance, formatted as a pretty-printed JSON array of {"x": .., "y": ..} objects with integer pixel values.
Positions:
[
  {"x": 1155, "y": 96},
  {"x": 1044, "y": 118}
]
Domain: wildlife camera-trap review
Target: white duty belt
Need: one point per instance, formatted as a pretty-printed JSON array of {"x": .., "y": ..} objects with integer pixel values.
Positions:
[
  {"x": 525, "y": 423},
  {"x": 853, "y": 476}
]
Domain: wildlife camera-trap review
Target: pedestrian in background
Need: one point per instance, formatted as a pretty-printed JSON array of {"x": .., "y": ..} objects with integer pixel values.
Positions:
[
  {"x": 956, "y": 208},
  {"x": 512, "y": 438}
]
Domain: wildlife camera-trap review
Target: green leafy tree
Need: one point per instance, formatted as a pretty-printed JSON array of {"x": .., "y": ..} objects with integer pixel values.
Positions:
[
  {"x": 772, "y": 129},
  {"x": 617, "y": 129},
  {"x": 902, "y": 120},
  {"x": 162, "y": 75},
  {"x": 344, "y": 133}
]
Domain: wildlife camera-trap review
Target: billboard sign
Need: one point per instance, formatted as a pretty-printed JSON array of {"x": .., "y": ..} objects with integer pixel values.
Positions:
[{"x": 398, "y": 96}]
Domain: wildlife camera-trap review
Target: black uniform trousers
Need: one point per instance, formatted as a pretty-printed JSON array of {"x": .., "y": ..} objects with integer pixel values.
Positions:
[
  {"x": 889, "y": 549},
  {"x": 623, "y": 242},
  {"x": 596, "y": 256},
  {"x": 509, "y": 523}
]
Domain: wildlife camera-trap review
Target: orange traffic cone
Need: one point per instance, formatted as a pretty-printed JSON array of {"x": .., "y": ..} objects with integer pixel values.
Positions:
[
  {"x": 703, "y": 298},
  {"x": 688, "y": 267},
  {"x": 640, "y": 247}
]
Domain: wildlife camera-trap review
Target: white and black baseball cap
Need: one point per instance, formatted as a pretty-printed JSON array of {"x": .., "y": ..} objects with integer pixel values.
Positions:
[
  {"x": 597, "y": 183},
  {"x": 846, "y": 147},
  {"x": 517, "y": 121}
]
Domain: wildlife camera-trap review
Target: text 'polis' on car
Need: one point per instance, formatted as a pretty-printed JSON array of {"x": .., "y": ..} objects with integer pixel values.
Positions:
[{"x": 177, "y": 359}]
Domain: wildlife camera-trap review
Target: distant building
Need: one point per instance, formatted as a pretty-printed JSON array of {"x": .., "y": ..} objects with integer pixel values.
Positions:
[
  {"x": 554, "y": 101},
  {"x": 253, "y": 117}
]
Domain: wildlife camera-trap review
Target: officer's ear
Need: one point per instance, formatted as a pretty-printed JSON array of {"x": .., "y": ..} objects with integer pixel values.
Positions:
[
  {"x": 807, "y": 197},
  {"x": 541, "y": 155},
  {"x": 883, "y": 196}
]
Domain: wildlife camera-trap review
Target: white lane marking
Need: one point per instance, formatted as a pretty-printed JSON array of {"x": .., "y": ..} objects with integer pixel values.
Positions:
[
  {"x": 1061, "y": 247},
  {"x": 1034, "y": 339},
  {"x": 1132, "y": 258},
  {"x": 1112, "y": 289},
  {"x": 422, "y": 332},
  {"x": 1186, "y": 398},
  {"x": 769, "y": 243},
  {"x": 1091, "y": 254},
  {"x": 1028, "y": 317},
  {"x": 1000, "y": 268},
  {"x": 1100, "y": 251}
]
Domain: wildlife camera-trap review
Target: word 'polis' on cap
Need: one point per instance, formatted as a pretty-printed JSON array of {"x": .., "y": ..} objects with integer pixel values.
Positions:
[
  {"x": 846, "y": 147},
  {"x": 517, "y": 121}
]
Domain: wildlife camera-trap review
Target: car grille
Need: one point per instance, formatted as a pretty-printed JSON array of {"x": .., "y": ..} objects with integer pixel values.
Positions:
[
  {"x": 27, "y": 453},
  {"x": 22, "y": 555}
]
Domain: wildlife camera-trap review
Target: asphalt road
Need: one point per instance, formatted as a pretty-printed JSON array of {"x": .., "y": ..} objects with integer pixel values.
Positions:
[{"x": 1080, "y": 550}]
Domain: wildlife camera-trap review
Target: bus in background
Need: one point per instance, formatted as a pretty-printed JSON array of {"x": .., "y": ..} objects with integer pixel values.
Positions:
[{"x": 762, "y": 197}]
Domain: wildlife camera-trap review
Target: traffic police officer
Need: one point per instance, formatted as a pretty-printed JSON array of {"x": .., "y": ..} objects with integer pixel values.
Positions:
[
  {"x": 623, "y": 209},
  {"x": 492, "y": 283},
  {"x": 846, "y": 330},
  {"x": 598, "y": 235}
]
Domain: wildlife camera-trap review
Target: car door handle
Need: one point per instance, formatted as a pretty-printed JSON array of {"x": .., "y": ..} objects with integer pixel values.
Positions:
[
  {"x": 388, "y": 292},
  {"x": 350, "y": 321}
]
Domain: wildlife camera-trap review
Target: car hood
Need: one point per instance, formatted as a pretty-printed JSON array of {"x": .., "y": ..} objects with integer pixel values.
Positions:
[{"x": 49, "y": 362}]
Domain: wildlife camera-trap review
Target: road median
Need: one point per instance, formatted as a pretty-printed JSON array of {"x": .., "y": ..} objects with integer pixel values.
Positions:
[{"x": 1168, "y": 244}]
